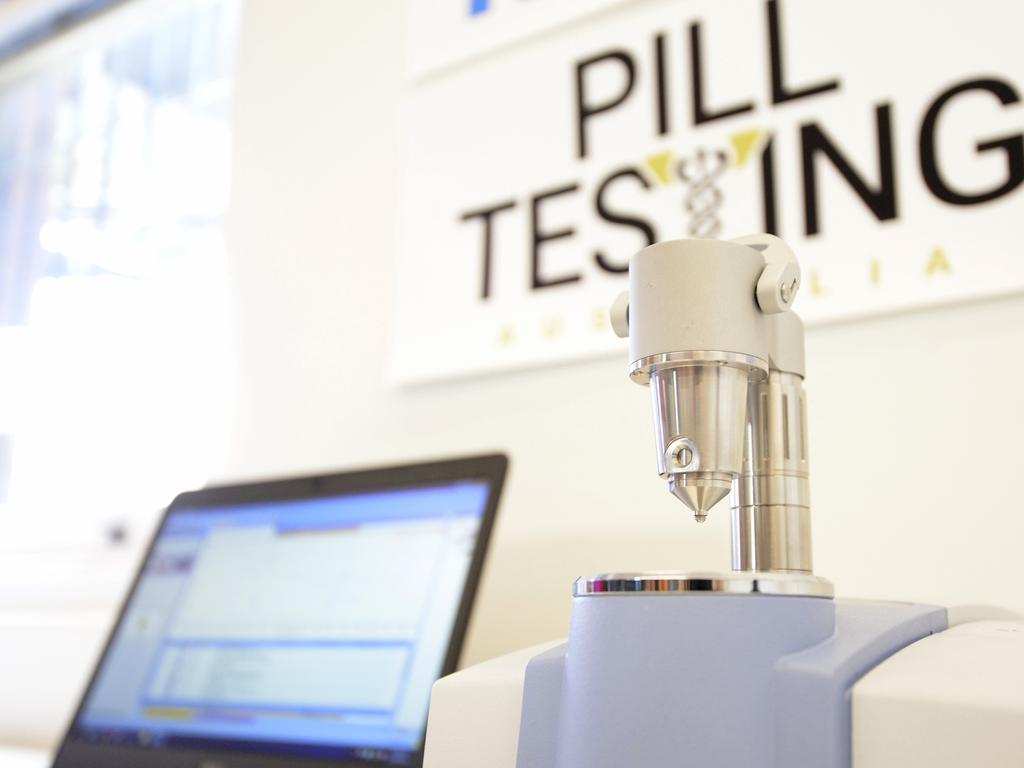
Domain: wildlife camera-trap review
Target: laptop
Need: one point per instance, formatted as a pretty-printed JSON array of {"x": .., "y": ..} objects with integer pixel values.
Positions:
[{"x": 292, "y": 623}]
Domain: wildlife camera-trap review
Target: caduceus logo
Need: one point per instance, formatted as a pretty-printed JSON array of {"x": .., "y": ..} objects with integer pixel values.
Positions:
[{"x": 703, "y": 198}]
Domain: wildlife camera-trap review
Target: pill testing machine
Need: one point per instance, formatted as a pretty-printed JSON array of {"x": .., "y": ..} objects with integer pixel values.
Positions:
[{"x": 759, "y": 666}]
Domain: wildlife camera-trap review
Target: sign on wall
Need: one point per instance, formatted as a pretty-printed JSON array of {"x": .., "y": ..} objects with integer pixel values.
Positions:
[{"x": 882, "y": 140}]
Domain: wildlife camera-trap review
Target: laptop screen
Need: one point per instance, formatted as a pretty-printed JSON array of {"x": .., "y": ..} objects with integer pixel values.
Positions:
[{"x": 306, "y": 627}]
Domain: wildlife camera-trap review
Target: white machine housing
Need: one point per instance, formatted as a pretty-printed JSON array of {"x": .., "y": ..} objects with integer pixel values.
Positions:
[{"x": 952, "y": 700}]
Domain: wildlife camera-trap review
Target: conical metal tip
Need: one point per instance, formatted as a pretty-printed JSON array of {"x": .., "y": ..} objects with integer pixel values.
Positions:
[{"x": 698, "y": 493}]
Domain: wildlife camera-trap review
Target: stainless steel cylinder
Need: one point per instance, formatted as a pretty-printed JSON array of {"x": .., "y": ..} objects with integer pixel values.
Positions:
[
  {"x": 700, "y": 416},
  {"x": 771, "y": 525}
]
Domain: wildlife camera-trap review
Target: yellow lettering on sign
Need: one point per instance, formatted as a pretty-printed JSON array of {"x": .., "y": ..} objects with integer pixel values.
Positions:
[
  {"x": 552, "y": 327},
  {"x": 601, "y": 320},
  {"x": 506, "y": 336},
  {"x": 817, "y": 289},
  {"x": 876, "y": 272},
  {"x": 660, "y": 166},
  {"x": 743, "y": 143},
  {"x": 938, "y": 262}
]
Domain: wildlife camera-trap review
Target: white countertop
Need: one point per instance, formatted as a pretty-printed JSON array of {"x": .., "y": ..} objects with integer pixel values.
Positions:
[{"x": 23, "y": 758}]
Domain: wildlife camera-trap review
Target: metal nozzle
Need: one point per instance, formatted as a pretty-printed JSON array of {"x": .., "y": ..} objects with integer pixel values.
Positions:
[
  {"x": 700, "y": 412},
  {"x": 699, "y": 491}
]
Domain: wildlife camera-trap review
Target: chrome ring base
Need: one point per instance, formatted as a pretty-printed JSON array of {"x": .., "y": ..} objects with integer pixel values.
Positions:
[
  {"x": 704, "y": 583},
  {"x": 640, "y": 370}
]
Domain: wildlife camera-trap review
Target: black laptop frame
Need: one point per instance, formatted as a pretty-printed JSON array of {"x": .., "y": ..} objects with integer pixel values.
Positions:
[{"x": 492, "y": 468}]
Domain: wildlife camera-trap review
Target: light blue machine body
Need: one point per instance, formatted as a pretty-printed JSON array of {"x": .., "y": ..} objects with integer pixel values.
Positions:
[{"x": 715, "y": 681}]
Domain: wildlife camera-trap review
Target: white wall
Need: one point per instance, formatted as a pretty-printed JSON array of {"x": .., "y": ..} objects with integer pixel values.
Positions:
[{"x": 914, "y": 418}]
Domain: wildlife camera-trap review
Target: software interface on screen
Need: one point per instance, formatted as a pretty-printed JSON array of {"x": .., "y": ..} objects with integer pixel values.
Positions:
[{"x": 305, "y": 627}]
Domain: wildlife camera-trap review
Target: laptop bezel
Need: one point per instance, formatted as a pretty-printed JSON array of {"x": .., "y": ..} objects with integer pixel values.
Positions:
[{"x": 492, "y": 468}]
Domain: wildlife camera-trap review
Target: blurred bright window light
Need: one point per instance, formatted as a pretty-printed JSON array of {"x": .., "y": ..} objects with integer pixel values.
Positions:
[{"x": 115, "y": 362}]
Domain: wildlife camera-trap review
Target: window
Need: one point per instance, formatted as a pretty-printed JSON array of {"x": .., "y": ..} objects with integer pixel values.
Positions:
[{"x": 115, "y": 372}]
